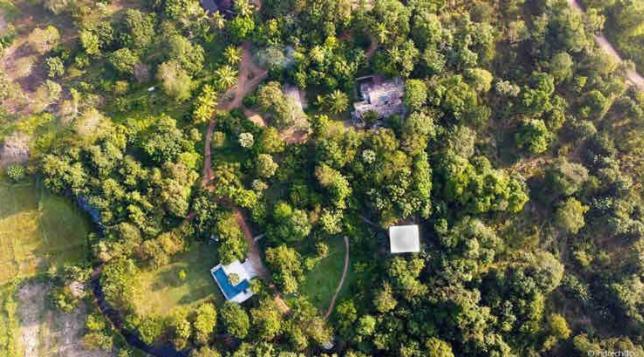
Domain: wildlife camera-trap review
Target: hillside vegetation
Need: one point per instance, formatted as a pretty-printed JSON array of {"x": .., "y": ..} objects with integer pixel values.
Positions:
[{"x": 192, "y": 138}]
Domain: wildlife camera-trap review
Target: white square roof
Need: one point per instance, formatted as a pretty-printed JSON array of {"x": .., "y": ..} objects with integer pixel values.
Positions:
[
  {"x": 404, "y": 239},
  {"x": 244, "y": 272}
]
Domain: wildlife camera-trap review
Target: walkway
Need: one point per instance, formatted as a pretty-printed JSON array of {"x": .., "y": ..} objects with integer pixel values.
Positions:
[
  {"x": 250, "y": 76},
  {"x": 345, "y": 270},
  {"x": 254, "y": 255},
  {"x": 631, "y": 74}
]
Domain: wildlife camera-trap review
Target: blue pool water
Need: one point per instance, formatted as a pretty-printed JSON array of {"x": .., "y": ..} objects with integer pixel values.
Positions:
[{"x": 230, "y": 290}]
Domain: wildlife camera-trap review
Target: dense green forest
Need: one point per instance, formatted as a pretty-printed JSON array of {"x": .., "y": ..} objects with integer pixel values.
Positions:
[
  {"x": 519, "y": 154},
  {"x": 623, "y": 24}
]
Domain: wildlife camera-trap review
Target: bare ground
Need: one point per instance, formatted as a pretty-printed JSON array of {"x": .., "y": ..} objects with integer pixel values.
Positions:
[
  {"x": 45, "y": 332},
  {"x": 255, "y": 117},
  {"x": 3, "y": 22},
  {"x": 15, "y": 150},
  {"x": 23, "y": 66}
]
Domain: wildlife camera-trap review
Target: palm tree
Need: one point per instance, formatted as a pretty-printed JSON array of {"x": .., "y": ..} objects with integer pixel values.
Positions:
[
  {"x": 243, "y": 8},
  {"x": 218, "y": 20},
  {"x": 338, "y": 102},
  {"x": 382, "y": 33},
  {"x": 233, "y": 55},
  {"x": 225, "y": 77}
]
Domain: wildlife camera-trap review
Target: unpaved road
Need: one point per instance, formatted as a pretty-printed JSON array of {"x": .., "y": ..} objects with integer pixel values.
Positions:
[
  {"x": 254, "y": 255},
  {"x": 250, "y": 76},
  {"x": 631, "y": 74}
]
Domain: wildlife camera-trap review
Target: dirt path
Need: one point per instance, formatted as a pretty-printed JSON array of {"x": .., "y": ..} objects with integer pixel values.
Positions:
[
  {"x": 631, "y": 74},
  {"x": 345, "y": 270},
  {"x": 528, "y": 167},
  {"x": 3, "y": 22},
  {"x": 250, "y": 76},
  {"x": 255, "y": 257},
  {"x": 207, "y": 175}
]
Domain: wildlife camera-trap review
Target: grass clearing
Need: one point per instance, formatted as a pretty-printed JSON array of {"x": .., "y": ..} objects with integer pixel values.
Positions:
[
  {"x": 38, "y": 230},
  {"x": 162, "y": 290},
  {"x": 320, "y": 283}
]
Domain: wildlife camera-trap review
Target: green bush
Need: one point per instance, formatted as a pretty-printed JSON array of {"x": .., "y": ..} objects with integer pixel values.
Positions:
[{"x": 16, "y": 172}]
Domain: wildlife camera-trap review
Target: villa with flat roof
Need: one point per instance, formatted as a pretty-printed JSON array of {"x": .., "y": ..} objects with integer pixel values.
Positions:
[
  {"x": 234, "y": 280},
  {"x": 404, "y": 239},
  {"x": 385, "y": 98}
]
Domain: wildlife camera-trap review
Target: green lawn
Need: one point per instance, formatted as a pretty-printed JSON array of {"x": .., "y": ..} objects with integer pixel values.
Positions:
[
  {"x": 162, "y": 290},
  {"x": 38, "y": 230},
  {"x": 320, "y": 283}
]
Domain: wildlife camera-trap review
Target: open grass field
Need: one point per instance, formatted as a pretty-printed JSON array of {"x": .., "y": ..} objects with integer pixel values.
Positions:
[
  {"x": 320, "y": 283},
  {"x": 37, "y": 231},
  {"x": 162, "y": 289}
]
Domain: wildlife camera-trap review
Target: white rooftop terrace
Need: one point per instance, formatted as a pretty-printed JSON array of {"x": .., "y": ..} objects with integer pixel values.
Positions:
[{"x": 404, "y": 239}]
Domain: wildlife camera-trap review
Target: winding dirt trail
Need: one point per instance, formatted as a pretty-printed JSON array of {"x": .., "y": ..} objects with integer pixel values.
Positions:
[
  {"x": 254, "y": 255},
  {"x": 345, "y": 270},
  {"x": 255, "y": 258},
  {"x": 250, "y": 76},
  {"x": 631, "y": 74},
  {"x": 207, "y": 175}
]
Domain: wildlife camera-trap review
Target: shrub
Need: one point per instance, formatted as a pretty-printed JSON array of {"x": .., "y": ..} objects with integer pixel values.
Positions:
[{"x": 16, "y": 172}]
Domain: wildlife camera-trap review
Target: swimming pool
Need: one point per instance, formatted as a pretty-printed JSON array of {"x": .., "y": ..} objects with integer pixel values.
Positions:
[{"x": 229, "y": 290}]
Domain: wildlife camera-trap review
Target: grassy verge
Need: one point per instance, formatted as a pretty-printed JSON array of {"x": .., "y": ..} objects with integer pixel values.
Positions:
[{"x": 162, "y": 289}]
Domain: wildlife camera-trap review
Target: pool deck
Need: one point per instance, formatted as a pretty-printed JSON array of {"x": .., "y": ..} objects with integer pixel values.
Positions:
[{"x": 235, "y": 293}]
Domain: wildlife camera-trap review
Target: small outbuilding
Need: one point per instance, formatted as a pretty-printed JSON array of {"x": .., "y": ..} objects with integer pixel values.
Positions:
[
  {"x": 234, "y": 280},
  {"x": 404, "y": 239}
]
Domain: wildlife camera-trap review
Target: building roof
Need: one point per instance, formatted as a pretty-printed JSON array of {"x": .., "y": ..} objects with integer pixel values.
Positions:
[
  {"x": 239, "y": 292},
  {"x": 382, "y": 97},
  {"x": 404, "y": 239}
]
